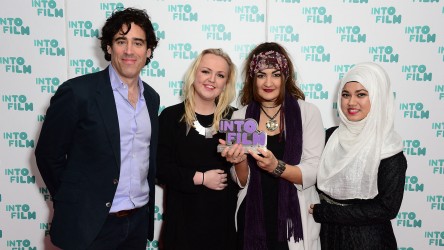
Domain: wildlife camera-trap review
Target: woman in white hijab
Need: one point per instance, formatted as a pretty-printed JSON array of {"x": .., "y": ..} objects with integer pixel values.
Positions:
[{"x": 362, "y": 170}]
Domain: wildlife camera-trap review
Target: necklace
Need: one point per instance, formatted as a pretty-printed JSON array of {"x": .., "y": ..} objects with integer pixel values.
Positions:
[
  {"x": 271, "y": 124},
  {"x": 208, "y": 132}
]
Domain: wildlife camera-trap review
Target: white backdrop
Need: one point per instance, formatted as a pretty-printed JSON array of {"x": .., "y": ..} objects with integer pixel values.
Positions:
[{"x": 45, "y": 42}]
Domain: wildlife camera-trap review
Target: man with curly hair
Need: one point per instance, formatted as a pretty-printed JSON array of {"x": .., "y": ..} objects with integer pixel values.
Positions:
[{"x": 97, "y": 148}]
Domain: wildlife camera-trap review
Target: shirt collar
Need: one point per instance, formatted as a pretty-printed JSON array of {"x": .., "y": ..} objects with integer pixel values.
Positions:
[{"x": 116, "y": 82}]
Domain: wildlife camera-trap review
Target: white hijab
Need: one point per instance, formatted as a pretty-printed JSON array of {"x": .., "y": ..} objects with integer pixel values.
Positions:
[{"x": 350, "y": 161}]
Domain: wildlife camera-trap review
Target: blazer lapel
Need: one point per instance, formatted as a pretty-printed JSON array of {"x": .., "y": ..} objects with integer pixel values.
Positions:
[
  {"x": 151, "y": 105},
  {"x": 107, "y": 106}
]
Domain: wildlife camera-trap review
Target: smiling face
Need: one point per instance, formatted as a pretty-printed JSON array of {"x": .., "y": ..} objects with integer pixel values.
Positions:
[
  {"x": 211, "y": 77},
  {"x": 355, "y": 101},
  {"x": 268, "y": 84},
  {"x": 129, "y": 53}
]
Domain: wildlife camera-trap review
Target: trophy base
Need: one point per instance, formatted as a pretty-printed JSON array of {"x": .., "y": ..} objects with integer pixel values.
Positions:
[{"x": 221, "y": 147}]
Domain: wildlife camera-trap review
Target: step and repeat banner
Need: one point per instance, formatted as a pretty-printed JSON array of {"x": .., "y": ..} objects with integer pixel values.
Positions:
[{"x": 45, "y": 42}]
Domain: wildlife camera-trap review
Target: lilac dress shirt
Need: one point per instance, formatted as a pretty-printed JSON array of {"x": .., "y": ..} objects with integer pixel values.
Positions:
[{"x": 135, "y": 134}]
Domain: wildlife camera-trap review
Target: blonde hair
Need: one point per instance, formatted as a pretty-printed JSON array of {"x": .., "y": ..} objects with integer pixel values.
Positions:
[{"x": 222, "y": 101}]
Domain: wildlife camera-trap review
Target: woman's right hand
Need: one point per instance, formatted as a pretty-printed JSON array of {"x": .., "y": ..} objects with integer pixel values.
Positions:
[{"x": 215, "y": 179}]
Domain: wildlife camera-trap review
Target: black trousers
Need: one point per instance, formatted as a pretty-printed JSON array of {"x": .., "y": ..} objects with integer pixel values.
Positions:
[{"x": 123, "y": 233}]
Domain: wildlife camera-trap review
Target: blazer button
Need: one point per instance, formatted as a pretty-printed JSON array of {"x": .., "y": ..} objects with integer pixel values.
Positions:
[
  {"x": 115, "y": 181},
  {"x": 108, "y": 204}
]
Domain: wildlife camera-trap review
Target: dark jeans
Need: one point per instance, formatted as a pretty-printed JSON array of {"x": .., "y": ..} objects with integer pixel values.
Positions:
[{"x": 123, "y": 233}]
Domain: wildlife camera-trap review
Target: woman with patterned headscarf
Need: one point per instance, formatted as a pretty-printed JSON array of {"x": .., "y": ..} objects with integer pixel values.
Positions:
[{"x": 277, "y": 185}]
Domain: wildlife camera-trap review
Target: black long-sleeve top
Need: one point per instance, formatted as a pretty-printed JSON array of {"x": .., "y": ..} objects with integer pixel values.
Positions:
[{"x": 365, "y": 224}]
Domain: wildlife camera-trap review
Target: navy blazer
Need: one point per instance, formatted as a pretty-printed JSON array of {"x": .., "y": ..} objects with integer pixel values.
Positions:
[{"x": 78, "y": 156}]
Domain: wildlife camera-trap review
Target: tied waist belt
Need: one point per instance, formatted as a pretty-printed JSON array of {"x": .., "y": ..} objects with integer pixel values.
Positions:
[{"x": 125, "y": 213}]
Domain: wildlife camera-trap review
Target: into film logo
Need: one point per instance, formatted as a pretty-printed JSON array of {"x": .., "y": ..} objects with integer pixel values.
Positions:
[
  {"x": 436, "y": 202},
  {"x": 351, "y": 34},
  {"x": 434, "y": 238},
  {"x": 160, "y": 34},
  {"x": 314, "y": 91},
  {"x": 83, "y": 66},
  {"x": 284, "y": 33},
  {"x": 20, "y": 244},
  {"x": 14, "y": 26},
  {"x": 49, "y": 47},
  {"x": 20, "y": 176},
  {"x": 153, "y": 69},
  {"x": 21, "y": 212},
  {"x": 386, "y": 15},
  {"x": 341, "y": 69},
  {"x": 383, "y": 54},
  {"x": 44, "y": 191},
  {"x": 439, "y": 128},
  {"x": 81, "y": 28},
  {"x": 183, "y": 12},
  {"x": 412, "y": 184},
  {"x": 15, "y": 65},
  {"x": 413, "y": 147},
  {"x": 249, "y": 14},
  {"x": 18, "y": 140},
  {"x": 216, "y": 32},
  {"x": 417, "y": 73},
  {"x": 45, "y": 226},
  {"x": 109, "y": 8},
  {"x": 47, "y": 8},
  {"x": 437, "y": 166},
  {"x": 176, "y": 87},
  {"x": 47, "y": 84},
  {"x": 182, "y": 51},
  {"x": 408, "y": 219},
  {"x": 420, "y": 34},
  {"x": 17, "y": 102},
  {"x": 316, "y": 15},
  {"x": 414, "y": 110},
  {"x": 243, "y": 50},
  {"x": 315, "y": 53}
]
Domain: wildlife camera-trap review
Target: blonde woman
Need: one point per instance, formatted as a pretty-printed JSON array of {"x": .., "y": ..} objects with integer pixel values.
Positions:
[{"x": 200, "y": 200}]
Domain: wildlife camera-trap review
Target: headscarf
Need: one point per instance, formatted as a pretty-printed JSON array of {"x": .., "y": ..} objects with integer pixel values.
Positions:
[
  {"x": 269, "y": 60},
  {"x": 349, "y": 163}
]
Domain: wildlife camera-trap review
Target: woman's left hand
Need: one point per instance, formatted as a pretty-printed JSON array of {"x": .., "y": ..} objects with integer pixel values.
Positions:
[
  {"x": 267, "y": 161},
  {"x": 234, "y": 153}
]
